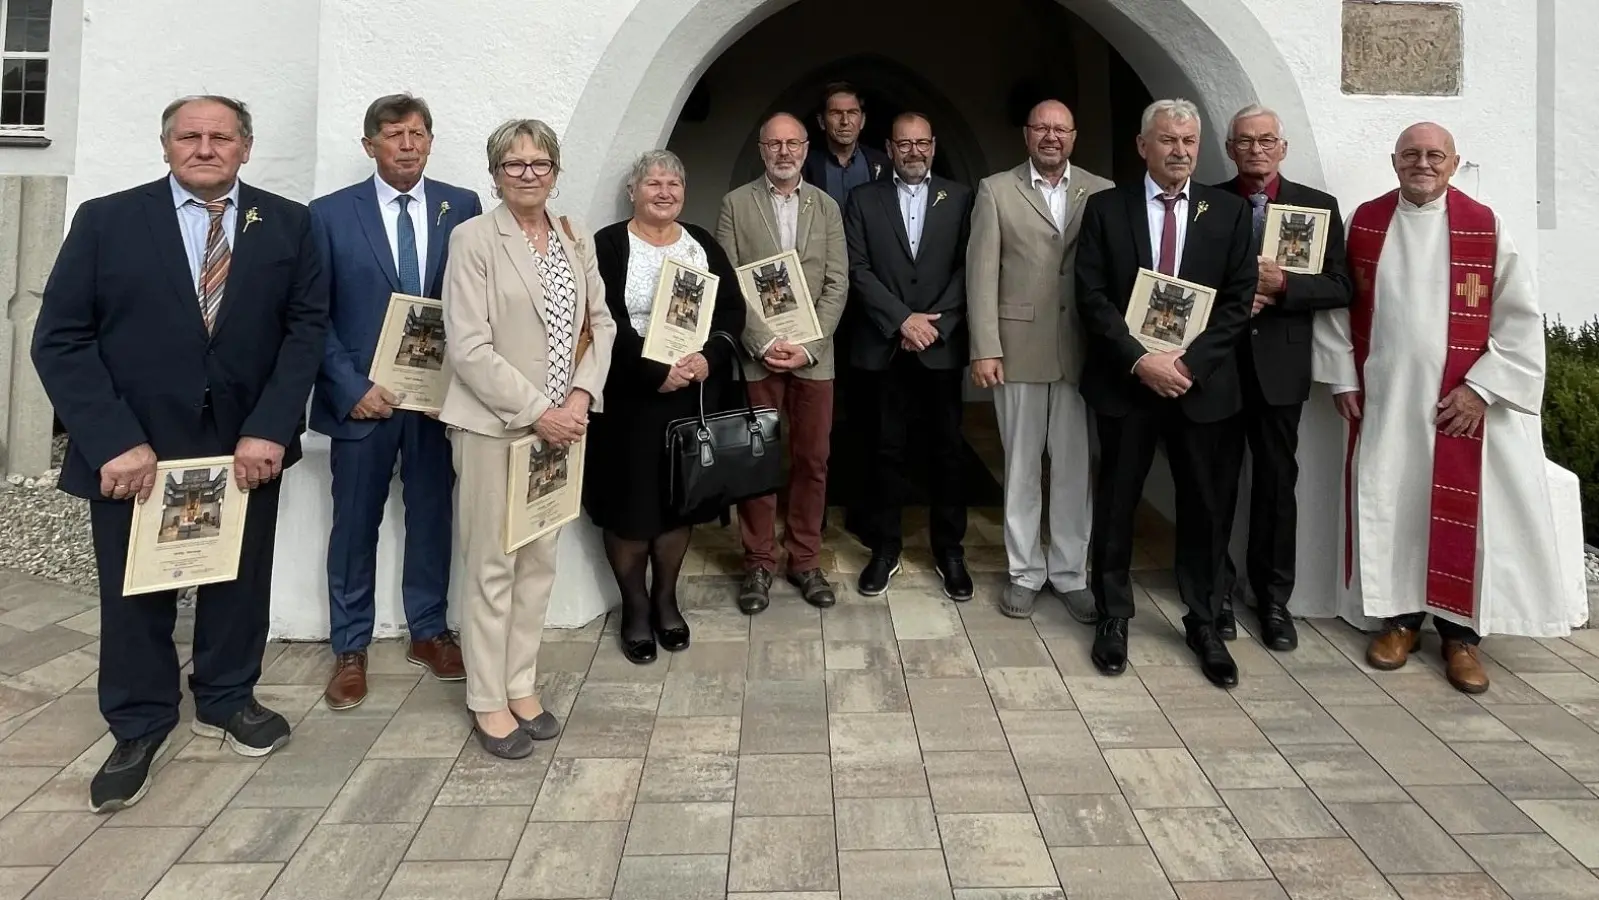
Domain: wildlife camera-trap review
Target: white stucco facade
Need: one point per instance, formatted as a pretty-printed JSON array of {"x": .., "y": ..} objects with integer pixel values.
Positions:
[{"x": 612, "y": 76}]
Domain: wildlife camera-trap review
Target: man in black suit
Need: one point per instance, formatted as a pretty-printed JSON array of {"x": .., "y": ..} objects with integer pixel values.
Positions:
[
  {"x": 907, "y": 262},
  {"x": 1189, "y": 397},
  {"x": 1274, "y": 366},
  {"x": 184, "y": 318}
]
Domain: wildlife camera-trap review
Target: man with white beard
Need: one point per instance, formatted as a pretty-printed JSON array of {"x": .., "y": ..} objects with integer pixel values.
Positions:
[{"x": 1438, "y": 368}]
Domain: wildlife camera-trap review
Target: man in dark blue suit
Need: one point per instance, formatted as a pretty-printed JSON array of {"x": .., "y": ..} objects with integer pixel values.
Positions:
[
  {"x": 387, "y": 234},
  {"x": 184, "y": 318}
]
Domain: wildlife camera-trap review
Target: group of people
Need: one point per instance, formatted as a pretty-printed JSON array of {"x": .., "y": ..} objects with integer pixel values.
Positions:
[{"x": 194, "y": 316}]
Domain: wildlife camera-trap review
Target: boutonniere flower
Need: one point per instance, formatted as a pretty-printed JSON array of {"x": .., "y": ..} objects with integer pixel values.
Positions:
[
  {"x": 940, "y": 197},
  {"x": 877, "y": 170},
  {"x": 444, "y": 207},
  {"x": 1081, "y": 193},
  {"x": 251, "y": 216},
  {"x": 808, "y": 199},
  {"x": 1201, "y": 210}
]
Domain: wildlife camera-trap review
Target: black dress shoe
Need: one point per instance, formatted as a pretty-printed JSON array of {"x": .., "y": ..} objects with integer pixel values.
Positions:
[
  {"x": 640, "y": 652},
  {"x": 672, "y": 639},
  {"x": 1226, "y": 624},
  {"x": 1214, "y": 660},
  {"x": 874, "y": 578},
  {"x": 1110, "y": 646},
  {"x": 755, "y": 594},
  {"x": 957, "y": 581},
  {"x": 1277, "y": 627},
  {"x": 814, "y": 587}
]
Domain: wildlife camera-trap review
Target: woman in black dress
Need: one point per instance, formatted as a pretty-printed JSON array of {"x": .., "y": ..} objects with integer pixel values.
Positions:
[{"x": 624, "y": 486}]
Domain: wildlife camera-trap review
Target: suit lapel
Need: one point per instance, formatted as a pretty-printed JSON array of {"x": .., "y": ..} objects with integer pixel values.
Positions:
[
  {"x": 763, "y": 207},
  {"x": 1138, "y": 221},
  {"x": 246, "y": 253},
  {"x": 366, "y": 212},
  {"x": 890, "y": 200},
  {"x": 1034, "y": 198},
  {"x": 513, "y": 243},
  {"x": 436, "y": 218},
  {"x": 1197, "y": 195},
  {"x": 802, "y": 219},
  {"x": 1074, "y": 210},
  {"x": 174, "y": 260}
]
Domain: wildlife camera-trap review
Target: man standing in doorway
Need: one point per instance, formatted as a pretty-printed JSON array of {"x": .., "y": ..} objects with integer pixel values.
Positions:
[
  {"x": 1028, "y": 346},
  {"x": 1274, "y": 367},
  {"x": 389, "y": 233},
  {"x": 848, "y": 163},
  {"x": 907, "y": 253},
  {"x": 776, "y": 212}
]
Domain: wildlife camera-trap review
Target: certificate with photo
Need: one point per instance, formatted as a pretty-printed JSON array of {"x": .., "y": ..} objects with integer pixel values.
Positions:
[
  {"x": 680, "y": 315},
  {"x": 1166, "y": 313},
  {"x": 544, "y": 489},
  {"x": 190, "y": 530},
  {"x": 774, "y": 288},
  {"x": 409, "y": 359},
  {"x": 1296, "y": 237}
]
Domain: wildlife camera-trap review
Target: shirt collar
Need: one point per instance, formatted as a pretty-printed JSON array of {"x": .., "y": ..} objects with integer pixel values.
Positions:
[
  {"x": 182, "y": 195},
  {"x": 1273, "y": 185},
  {"x": 387, "y": 192},
  {"x": 912, "y": 189},
  {"x": 1153, "y": 190},
  {"x": 772, "y": 189},
  {"x": 1034, "y": 176}
]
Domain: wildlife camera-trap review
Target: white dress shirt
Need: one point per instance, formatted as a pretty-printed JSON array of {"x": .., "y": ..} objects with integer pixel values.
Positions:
[
  {"x": 195, "y": 224},
  {"x": 1157, "y": 221},
  {"x": 785, "y": 209},
  {"x": 389, "y": 208},
  {"x": 913, "y": 208},
  {"x": 1054, "y": 195}
]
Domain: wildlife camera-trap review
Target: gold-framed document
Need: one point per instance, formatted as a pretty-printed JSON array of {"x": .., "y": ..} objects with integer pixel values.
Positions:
[
  {"x": 1166, "y": 313},
  {"x": 680, "y": 315},
  {"x": 191, "y": 529},
  {"x": 774, "y": 288},
  {"x": 543, "y": 489},
  {"x": 1295, "y": 237},
  {"x": 409, "y": 359}
]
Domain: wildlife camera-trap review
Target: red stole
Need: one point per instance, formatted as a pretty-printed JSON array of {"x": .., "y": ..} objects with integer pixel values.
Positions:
[{"x": 1457, "y": 461}]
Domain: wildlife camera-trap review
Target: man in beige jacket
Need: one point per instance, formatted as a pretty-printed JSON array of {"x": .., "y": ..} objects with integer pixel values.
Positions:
[
  {"x": 776, "y": 212},
  {"x": 1026, "y": 345}
]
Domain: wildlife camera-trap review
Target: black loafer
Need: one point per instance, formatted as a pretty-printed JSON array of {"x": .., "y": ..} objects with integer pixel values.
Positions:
[
  {"x": 639, "y": 652},
  {"x": 875, "y": 577},
  {"x": 1110, "y": 646},
  {"x": 957, "y": 581},
  {"x": 673, "y": 639},
  {"x": 1214, "y": 660}
]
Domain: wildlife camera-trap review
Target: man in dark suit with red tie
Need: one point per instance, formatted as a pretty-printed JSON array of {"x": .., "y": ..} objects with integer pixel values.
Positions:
[
  {"x": 1274, "y": 368},
  {"x": 1188, "y": 397},
  {"x": 184, "y": 318}
]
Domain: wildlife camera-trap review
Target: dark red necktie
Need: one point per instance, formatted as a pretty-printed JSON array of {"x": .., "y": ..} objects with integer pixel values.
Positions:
[{"x": 1168, "y": 236}]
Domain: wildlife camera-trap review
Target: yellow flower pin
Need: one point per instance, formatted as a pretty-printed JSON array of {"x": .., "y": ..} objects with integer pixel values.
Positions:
[
  {"x": 1201, "y": 210},
  {"x": 251, "y": 216}
]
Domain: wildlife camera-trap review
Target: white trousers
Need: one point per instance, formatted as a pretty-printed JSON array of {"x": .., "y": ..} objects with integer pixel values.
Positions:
[{"x": 1034, "y": 418}]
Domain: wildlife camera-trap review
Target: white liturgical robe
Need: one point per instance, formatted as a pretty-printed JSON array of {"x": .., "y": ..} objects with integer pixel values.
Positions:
[{"x": 1518, "y": 583}]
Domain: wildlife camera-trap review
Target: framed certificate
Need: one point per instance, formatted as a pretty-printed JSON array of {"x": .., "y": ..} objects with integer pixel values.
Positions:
[
  {"x": 543, "y": 489},
  {"x": 1296, "y": 237},
  {"x": 1166, "y": 313},
  {"x": 190, "y": 531},
  {"x": 680, "y": 315},
  {"x": 409, "y": 359},
  {"x": 774, "y": 288}
]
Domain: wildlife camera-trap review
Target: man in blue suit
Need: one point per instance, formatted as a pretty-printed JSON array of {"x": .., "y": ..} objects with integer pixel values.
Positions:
[
  {"x": 389, "y": 233},
  {"x": 184, "y": 318}
]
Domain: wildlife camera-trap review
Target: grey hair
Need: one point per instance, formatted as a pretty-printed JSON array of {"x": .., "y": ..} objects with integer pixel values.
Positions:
[
  {"x": 542, "y": 136},
  {"x": 1177, "y": 109},
  {"x": 246, "y": 124},
  {"x": 664, "y": 160},
  {"x": 1252, "y": 111}
]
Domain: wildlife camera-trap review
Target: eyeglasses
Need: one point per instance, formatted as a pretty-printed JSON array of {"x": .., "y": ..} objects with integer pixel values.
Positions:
[
  {"x": 1248, "y": 143},
  {"x": 793, "y": 146},
  {"x": 1433, "y": 157},
  {"x": 516, "y": 168},
  {"x": 924, "y": 145},
  {"x": 1056, "y": 130}
]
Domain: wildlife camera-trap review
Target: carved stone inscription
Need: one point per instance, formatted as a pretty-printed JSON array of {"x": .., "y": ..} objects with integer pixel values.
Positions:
[{"x": 1401, "y": 48}]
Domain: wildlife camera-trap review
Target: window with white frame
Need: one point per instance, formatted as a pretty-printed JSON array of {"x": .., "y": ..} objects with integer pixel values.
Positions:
[{"x": 24, "y": 65}]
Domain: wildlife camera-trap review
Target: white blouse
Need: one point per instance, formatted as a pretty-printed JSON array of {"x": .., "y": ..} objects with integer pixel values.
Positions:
[{"x": 644, "y": 261}]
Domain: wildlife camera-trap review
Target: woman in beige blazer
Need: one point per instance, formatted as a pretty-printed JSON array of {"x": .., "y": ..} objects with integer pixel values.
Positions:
[{"x": 529, "y": 345}]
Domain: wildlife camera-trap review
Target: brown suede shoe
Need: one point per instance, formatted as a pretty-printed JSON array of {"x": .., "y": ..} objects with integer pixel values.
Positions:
[
  {"x": 1464, "y": 669},
  {"x": 1392, "y": 648},
  {"x": 441, "y": 655},
  {"x": 347, "y": 687}
]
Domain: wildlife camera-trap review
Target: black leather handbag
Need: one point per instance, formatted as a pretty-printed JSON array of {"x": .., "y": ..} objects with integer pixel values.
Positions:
[{"x": 714, "y": 461}]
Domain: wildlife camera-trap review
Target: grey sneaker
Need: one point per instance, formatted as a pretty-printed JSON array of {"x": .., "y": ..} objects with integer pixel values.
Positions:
[
  {"x": 1017, "y": 601},
  {"x": 1079, "y": 604}
]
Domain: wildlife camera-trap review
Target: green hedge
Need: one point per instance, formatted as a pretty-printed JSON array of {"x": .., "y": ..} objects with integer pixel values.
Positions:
[{"x": 1571, "y": 411}]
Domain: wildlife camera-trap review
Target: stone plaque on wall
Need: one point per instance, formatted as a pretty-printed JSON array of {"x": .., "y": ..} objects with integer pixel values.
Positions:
[{"x": 1401, "y": 48}]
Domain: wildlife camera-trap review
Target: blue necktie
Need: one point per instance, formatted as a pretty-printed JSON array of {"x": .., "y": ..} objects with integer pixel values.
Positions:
[
  {"x": 1258, "y": 201},
  {"x": 410, "y": 273}
]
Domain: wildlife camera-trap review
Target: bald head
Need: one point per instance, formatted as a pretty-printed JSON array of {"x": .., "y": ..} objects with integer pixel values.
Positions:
[
  {"x": 1425, "y": 159},
  {"x": 786, "y": 123},
  {"x": 1051, "y": 133}
]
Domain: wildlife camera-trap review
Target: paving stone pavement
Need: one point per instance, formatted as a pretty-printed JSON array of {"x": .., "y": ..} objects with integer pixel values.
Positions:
[{"x": 896, "y": 748}]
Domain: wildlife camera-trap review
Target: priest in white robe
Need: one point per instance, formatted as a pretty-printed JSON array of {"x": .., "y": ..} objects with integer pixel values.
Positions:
[{"x": 1438, "y": 369}]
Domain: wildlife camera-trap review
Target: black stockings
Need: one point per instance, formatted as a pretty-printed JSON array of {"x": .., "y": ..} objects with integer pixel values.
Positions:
[{"x": 646, "y": 608}]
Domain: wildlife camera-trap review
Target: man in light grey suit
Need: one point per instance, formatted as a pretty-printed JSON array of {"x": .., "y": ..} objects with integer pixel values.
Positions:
[
  {"x": 1026, "y": 345},
  {"x": 776, "y": 212}
]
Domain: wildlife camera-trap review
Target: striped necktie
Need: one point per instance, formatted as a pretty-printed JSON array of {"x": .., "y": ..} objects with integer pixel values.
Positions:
[{"x": 214, "y": 271}]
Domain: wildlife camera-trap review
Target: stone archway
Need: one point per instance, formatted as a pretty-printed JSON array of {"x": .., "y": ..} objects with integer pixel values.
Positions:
[{"x": 1214, "y": 52}]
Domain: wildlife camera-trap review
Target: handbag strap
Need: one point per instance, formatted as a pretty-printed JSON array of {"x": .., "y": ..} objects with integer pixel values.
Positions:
[{"x": 738, "y": 379}]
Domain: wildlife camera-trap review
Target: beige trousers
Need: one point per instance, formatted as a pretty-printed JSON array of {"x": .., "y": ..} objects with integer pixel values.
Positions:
[{"x": 504, "y": 597}]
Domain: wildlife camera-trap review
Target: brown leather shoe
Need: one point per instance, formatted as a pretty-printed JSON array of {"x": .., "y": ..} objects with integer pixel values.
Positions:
[
  {"x": 1464, "y": 669},
  {"x": 347, "y": 687},
  {"x": 1392, "y": 648},
  {"x": 441, "y": 655}
]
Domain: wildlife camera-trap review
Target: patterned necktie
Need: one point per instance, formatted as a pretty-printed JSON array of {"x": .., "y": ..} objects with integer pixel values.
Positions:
[
  {"x": 1168, "y": 236},
  {"x": 1258, "y": 202},
  {"x": 410, "y": 272},
  {"x": 214, "y": 271}
]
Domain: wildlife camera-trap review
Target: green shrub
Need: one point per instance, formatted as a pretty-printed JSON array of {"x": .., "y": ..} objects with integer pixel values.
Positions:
[{"x": 1571, "y": 410}]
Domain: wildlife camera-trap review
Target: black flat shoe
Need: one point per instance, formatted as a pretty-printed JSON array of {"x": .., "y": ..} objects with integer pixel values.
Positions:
[
  {"x": 957, "y": 581},
  {"x": 1110, "y": 646},
  {"x": 672, "y": 639},
  {"x": 1277, "y": 628},
  {"x": 1214, "y": 660},
  {"x": 639, "y": 652}
]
